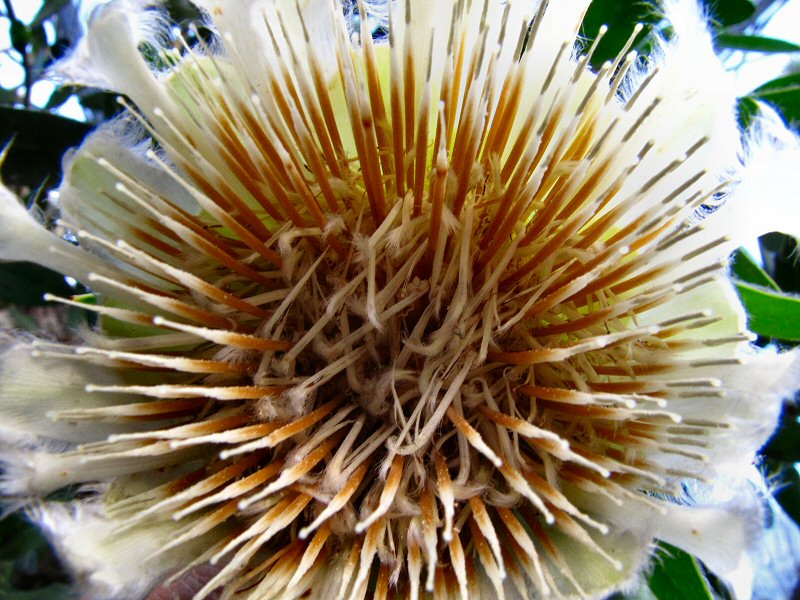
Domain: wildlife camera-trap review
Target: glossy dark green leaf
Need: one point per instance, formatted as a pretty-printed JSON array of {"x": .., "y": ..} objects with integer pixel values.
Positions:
[
  {"x": 19, "y": 537},
  {"x": 785, "y": 444},
  {"x": 59, "y": 96},
  {"x": 783, "y": 93},
  {"x": 677, "y": 575},
  {"x": 28, "y": 567},
  {"x": 8, "y": 97},
  {"x": 771, "y": 314},
  {"x": 746, "y": 269},
  {"x": 780, "y": 456},
  {"x": 621, "y": 18},
  {"x": 754, "y": 43},
  {"x": 104, "y": 105},
  {"x": 20, "y": 36},
  {"x": 39, "y": 141},
  {"x": 24, "y": 284},
  {"x": 731, "y": 12},
  {"x": 182, "y": 11},
  {"x": 788, "y": 492},
  {"x": 780, "y": 253}
]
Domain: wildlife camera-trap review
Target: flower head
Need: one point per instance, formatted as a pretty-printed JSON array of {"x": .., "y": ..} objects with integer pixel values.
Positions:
[{"x": 375, "y": 319}]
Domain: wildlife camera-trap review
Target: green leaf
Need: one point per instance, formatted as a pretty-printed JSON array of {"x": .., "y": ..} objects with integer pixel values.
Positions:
[
  {"x": 785, "y": 444},
  {"x": 747, "y": 109},
  {"x": 28, "y": 568},
  {"x": 731, "y": 12},
  {"x": 677, "y": 575},
  {"x": 783, "y": 93},
  {"x": 40, "y": 140},
  {"x": 24, "y": 284},
  {"x": 780, "y": 456},
  {"x": 621, "y": 18},
  {"x": 781, "y": 257},
  {"x": 57, "y": 591},
  {"x": 19, "y": 537},
  {"x": 59, "y": 96},
  {"x": 746, "y": 269},
  {"x": 104, "y": 104},
  {"x": 787, "y": 493},
  {"x": 771, "y": 314},
  {"x": 8, "y": 97},
  {"x": 754, "y": 43},
  {"x": 20, "y": 36}
]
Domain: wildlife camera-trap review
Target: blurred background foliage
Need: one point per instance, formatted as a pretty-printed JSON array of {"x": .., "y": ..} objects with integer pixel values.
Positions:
[{"x": 33, "y": 122}]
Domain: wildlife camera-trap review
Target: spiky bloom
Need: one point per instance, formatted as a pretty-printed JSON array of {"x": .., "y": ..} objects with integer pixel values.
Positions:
[{"x": 379, "y": 320}]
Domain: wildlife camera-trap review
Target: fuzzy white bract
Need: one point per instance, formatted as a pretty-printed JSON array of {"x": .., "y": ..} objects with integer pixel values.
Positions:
[{"x": 430, "y": 316}]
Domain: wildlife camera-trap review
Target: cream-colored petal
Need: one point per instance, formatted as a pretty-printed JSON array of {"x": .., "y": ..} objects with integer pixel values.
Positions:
[
  {"x": 36, "y": 385},
  {"x": 595, "y": 575},
  {"x": 767, "y": 196},
  {"x": 719, "y": 535},
  {"x": 120, "y": 143},
  {"x": 242, "y": 25},
  {"x": 22, "y": 238},
  {"x": 113, "y": 38},
  {"x": 750, "y": 401},
  {"x": 38, "y": 472},
  {"x": 694, "y": 90},
  {"x": 90, "y": 197},
  {"x": 107, "y": 563},
  {"x": 776, "y": 559},
  {"x": 716, "y": 300},
  {"x": 84, "y": 68},
  {"x": 112, "y": 41}
]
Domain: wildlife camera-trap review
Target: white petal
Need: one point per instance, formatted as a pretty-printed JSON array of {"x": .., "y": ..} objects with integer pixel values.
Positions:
[
  {"x": 776, "y": 558},
  {"x": 39, "y": 472},
  {"x": 695, "y": 92},
  {"x": 32, "y": 473},
  {"x": 596, "y": 576},
  {"x": 107, "y": 564},
  {"x": 86, "y": 67},
  {"x": 753, "y": 395},
  {"x": 719, "y": 536},
  {"x": 242, "y": 25},
  {"x": 33, "y": 389},
  {"x": 111, "y": 53},
  {"x": 773, "y": 552},
  {"x": 768, "y": 195},
  {"x": 84, "y": 194},
  {"x": 22, "y": 238},
  {"x": 719, "y": 300}
]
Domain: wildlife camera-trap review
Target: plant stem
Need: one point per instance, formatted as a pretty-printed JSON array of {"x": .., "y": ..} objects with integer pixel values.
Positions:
[{"x": 10, "y": 10}]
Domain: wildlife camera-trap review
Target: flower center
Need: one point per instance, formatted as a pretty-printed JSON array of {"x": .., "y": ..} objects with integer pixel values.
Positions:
[{"x": 429, "y": 316}]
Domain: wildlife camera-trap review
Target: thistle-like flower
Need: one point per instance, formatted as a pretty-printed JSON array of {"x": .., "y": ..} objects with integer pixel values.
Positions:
[{"x": 435, "y": 315}]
